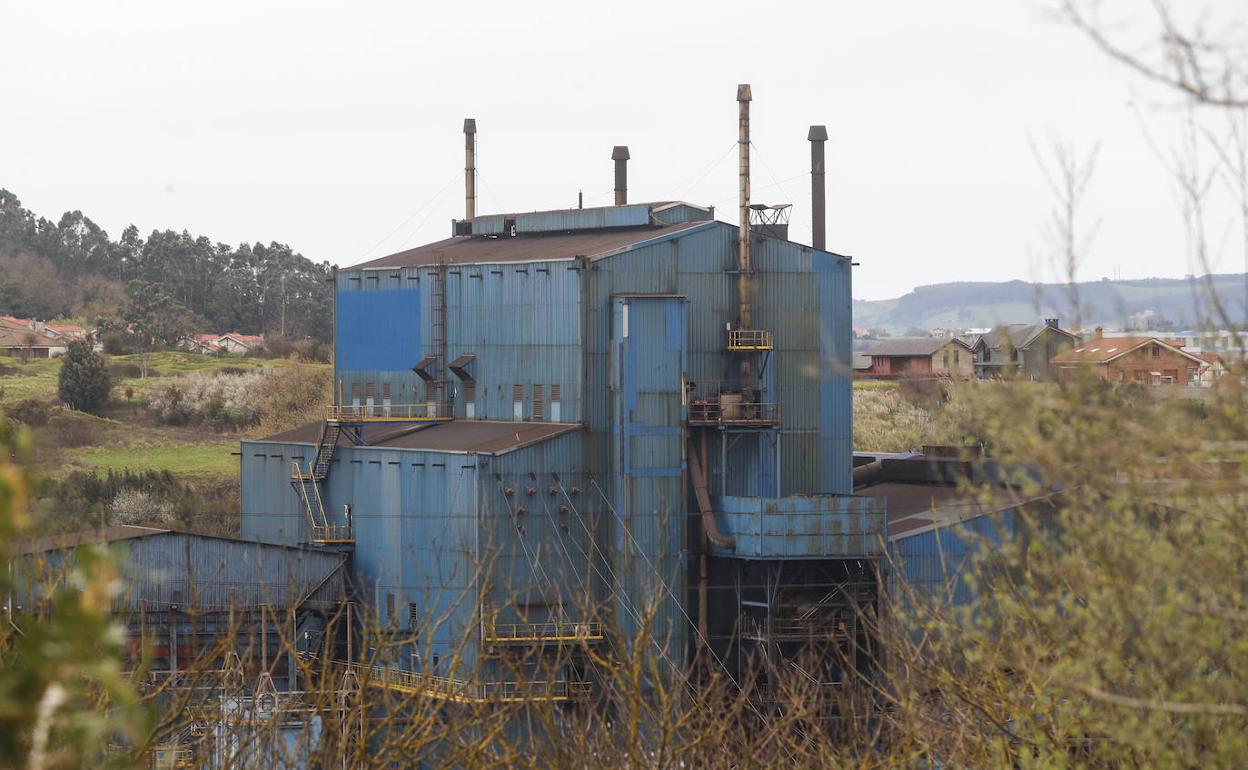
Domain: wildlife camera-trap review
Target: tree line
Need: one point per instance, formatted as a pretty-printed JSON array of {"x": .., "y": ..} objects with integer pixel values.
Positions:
[{"x": 72, "y": 268}]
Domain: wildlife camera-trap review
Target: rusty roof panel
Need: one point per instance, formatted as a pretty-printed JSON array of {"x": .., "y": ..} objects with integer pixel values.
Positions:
[
  {"x": 467, "y": 250},
  {"x": 479, "y": 436}
]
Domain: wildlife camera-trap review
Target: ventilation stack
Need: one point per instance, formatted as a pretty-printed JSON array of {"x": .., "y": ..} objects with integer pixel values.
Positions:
[
  {"x": 818, "y": 203},
  {"x": 620, "y": 156},
  {"x": 745, "y": 319},
  {"x": 470, "y": 168}
]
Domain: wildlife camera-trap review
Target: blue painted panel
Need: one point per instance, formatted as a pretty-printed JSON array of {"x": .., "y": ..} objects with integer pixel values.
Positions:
[
  {"x": 934, "y": 563},
  {"x": 648, "y": 482},
  {"x": 377, "y": 330},
  {"x": 807, "y": 527}
]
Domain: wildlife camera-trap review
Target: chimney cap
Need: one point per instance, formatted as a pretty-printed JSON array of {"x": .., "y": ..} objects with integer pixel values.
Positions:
[
  {"x": 743, "y": 93},
  {"x": 620, "y": 152},
  {"x": 470, "y": 125},
  {"x": 817, "y": 134}
]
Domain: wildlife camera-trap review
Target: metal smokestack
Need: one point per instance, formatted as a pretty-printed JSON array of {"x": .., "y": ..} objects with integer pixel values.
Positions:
[
  {"x": 620, "y": 156},
  {"x": 745, "y": 267},
  {"x": 470, "y": 168},
  {"x": 818, "y": 204}
]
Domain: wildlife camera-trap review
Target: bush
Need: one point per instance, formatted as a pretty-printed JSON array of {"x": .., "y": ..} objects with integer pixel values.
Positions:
[
  {"x": 30, "y": 412},
  {"x": 118, "y": 343},
  {"x": 294, "y": 395},
  {"x": 68, "y": 430},
  {"x": 83, "y": 383},
  {"x": 218, "y": 400},
  {"x": 123, "y": 371},
  {"x": 136, "y": 507}
]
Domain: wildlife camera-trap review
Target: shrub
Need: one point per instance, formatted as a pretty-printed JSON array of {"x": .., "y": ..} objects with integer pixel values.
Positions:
[
  {"x": 83, "y": 383},
  {"x": 30, "y": 412},
  {"x": 118, "y": 343},
  {"x": 136, "y": 507},
  {"x": 294, "y": 395},
  {"x": 219, "y": 400},
  {"x": 69, "y": 430},
  {"x": 121, "y": 371}
]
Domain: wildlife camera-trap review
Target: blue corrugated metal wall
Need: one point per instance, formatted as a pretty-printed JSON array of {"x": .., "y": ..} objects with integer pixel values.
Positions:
[
  {"x": 934, "y": 562},
  {"x": 648, "y": 363}
]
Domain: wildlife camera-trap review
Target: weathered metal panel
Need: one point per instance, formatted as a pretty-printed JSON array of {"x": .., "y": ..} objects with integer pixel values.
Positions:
[
  {"x": 649, "y": 339},
  {"x": 177, "y": 570},
  {"x": 806, "y": 527},
  {"x": 933, "y": 564},
  {"x": 678, "y": 213},
  {"x": 562, "y": 220}
]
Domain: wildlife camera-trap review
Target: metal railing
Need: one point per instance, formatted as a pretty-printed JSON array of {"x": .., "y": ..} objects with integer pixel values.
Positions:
[
  {"x": 425, "y": 412},
  {"x": 721, "y": 411},
  {"x": 320, "y": 530},
  {"x": 553, "y": 631},
  {"x": 750, "y": 339},
  {"x": 461, "y": 691},
  {"x": 791, "y": 630}
]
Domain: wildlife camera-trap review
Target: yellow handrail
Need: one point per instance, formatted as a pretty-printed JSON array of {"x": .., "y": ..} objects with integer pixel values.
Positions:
[
  {"x": 428, "y": 411},
  {"x": 750, "y": 339},
  {"x": 461, "y": 691},
  {"x": 568, "y": 630}
]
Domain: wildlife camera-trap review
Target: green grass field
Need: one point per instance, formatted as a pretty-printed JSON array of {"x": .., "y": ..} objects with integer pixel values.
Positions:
[{"x": 202, "y": 460}]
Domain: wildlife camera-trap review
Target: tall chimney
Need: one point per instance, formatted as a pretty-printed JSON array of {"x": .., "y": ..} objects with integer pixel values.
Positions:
[
  {"x": 745, "y": 318},
  {"x": 620, "y": 156},
  {"x": 470, "y": 168},
  {"x": 743, "y": 154},
  {"x": 818, "y": 205}
]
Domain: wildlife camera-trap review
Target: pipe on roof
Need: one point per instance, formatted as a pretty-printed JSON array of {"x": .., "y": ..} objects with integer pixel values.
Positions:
[
  {"x": 620, "y": 155},
  {"x": 817, "y": 136},
  {"x": 745, "y": 318}
]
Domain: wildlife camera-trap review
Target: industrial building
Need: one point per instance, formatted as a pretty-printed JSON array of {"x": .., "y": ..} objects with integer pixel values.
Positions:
[
  {"x": 554, "y": 428},
  {"x": 213, "y": 629}
]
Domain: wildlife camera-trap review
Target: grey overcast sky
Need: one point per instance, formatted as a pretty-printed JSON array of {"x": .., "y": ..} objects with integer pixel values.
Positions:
[{"x": 336, "y": 127}]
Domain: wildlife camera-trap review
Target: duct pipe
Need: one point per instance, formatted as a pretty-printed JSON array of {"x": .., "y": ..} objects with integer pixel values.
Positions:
[
  {"x": 620, "y": 156},
  {"x": 698, "y": 477},
  {"x": 470, "y": 168},
  {"x": 818, "y": 204}
]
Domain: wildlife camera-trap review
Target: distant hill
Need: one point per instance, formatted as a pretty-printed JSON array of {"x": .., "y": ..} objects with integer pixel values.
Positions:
[{"x": 1183, "y": 302}]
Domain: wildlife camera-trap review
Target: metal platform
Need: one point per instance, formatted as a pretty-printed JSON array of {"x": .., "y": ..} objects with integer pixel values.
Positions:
[
  {"x": 556, "y": 631},
  {"x": 461, "y": 691},
  {"x": 744, "y": 340},
  {"x": 431, "y": 411},
  {"x": 719, "y": 413}
]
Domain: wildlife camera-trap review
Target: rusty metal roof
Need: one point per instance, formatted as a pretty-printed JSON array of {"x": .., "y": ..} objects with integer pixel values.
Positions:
[
  {"x": 83, "y": 537},
  {"x": 475, "y": 436},
  {"x": 479, "y": 249}
]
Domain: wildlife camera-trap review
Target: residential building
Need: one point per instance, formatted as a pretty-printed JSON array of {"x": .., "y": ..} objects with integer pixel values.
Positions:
[
  {"x": 23, "y": 343},
  {"x": 1133, "y": 359},
  {"x": 1026, "y": 350},
  {"x": 919, "y": 357}
]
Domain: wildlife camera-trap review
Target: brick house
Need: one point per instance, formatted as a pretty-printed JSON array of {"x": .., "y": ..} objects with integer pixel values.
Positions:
[
  {"x": 1024, "y": 349},
  {"x": 1146, "y": 360},
  {"x": 919, "y": 357}
]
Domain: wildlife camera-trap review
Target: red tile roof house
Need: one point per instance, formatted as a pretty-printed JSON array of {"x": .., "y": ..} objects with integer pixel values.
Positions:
[
  {"x": 240, "y": 343},
  {"x": 1146, "y": 360},
  {"x": 918, "y": 357}
]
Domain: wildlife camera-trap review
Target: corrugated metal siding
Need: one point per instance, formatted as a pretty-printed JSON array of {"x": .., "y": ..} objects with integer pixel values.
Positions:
[
  {"x": 649, "y": 339},
  {"x": 564, "y": 220},
  {"x": 194, "y": 572},
  {"x": 808, "y": 527},
  {"x": 934, "y": 563},
  {"x": 810, "y": 319},
  {"x": 680, "y": 213}
]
